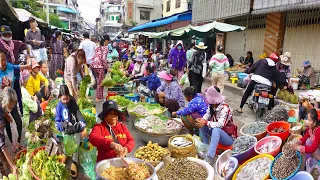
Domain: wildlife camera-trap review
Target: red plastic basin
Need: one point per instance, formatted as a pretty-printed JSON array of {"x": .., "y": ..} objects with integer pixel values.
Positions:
[
  {"x": 264, "y": 140},
  {"x": 284, "y": 135}
]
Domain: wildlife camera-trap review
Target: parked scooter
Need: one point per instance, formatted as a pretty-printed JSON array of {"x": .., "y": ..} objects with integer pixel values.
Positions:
[{"x": 259, "y": 101}]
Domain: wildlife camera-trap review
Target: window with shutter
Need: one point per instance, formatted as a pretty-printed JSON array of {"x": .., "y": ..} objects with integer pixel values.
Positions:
[
  {"x": 178, "y": 3},
  {"x": 168, "y": 5},
  {"x": 112, "y": 18},
  {"x": 144, "y": 15}
]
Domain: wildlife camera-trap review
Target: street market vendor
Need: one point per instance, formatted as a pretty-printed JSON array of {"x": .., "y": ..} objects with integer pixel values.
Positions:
[
  {"x": 217, "y": 125},
  {"x": 69, "y": 120},
  {"x": 307, "y": 75},
  {"x": 197, "y": 108},
  {"x": 169, "y": 94},
  {"x": 139, "y": 68},
  {"x": 8, "y": 100},
  {"x": 112, "y": 138},
  {"x": 309, "y": 143},
  {"x": 149, "y": 83}
]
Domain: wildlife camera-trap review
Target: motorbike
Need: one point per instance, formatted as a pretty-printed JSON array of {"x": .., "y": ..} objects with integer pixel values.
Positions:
[{"x": 259, "y": 100}]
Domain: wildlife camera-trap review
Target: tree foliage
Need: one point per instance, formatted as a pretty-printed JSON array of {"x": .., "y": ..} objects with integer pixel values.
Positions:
[{"x": 31, "y": 6}]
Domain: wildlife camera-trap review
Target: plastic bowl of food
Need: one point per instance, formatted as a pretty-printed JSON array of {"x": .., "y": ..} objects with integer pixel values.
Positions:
[
  {"x": 117, "y": 162},
  {"x": 294, "y": 173},
  {"x": 244, "y": 130},
  {"x": 276, "y": 125},
  {"x": 221, "y": 161},
  {"x": 241, "y": 157},
  {"x": 302, "y": 175},
  {"x": 265, "y": 140}
]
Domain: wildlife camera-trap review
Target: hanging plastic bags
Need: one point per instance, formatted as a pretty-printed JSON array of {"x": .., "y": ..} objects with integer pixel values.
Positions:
[
  {"x": 184, "y": 80},
  {"x": 313, "y": 167},
  {"x": 70, "y": 144},
  {"x": 88, "y": 159}
]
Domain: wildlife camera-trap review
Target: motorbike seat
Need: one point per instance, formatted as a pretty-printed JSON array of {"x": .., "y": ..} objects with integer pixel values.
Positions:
[{"x": 262, "y": 87}]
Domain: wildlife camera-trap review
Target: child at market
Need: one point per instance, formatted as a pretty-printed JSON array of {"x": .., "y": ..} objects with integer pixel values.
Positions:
[
  {"x": 69, "y": 120},
  {"x": 309, "y": 143},
  {"x": 149, "y": 83}
]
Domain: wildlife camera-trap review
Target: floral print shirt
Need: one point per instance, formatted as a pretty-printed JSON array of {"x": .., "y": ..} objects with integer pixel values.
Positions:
[
  {"x": 173, "y": 91},
  {"x": 99, "y": 59},
  {"x": 221, "y": 117},
  {"x": 197, "y": 104}
]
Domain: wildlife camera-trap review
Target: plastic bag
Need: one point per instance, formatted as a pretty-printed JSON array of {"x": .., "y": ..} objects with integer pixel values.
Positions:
[
  {"x": 184, "y": 80},
  {"x": 88, "y": 159},
  {"x": 69, "y": 144},
  {"x": 312, "y": 164},
  {"x": 201, "y": 147}
]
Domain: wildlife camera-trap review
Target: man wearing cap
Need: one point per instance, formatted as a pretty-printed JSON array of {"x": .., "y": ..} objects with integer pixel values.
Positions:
[
  {"x": 307, "y": 75},
  {"x": 34, "y": 37},
  {"x": 12, "y": 48}
]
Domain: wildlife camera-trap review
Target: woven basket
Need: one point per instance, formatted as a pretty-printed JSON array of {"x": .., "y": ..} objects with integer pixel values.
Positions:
[
  {"x": 293, "y": 136},
  {"x": 182, "y": 152},
  {"x": 153, "y": 163},
  {"x": 298, "y": 131}
]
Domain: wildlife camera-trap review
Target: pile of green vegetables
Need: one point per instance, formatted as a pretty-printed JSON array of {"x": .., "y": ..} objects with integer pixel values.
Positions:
[
  {"x": 86, "y": 80},
  {"x": 108, "y": 82},
  {"x": 89, "y": 118},
  {"x": 116, "y": 76},
  {"x": 117, "y": 65},
  {"x": 48, "y": 167},
  {"x": 85, "y": 103},
  {"x": 121, "y": 101},
  {"x": 120, "y": 79},
  {"x": 22, "y": 165}
]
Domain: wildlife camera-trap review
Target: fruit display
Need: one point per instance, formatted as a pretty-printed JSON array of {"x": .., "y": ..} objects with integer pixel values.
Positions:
[
  {"x": 288, "y": 97},
  {"x": 151, "y": 152}
]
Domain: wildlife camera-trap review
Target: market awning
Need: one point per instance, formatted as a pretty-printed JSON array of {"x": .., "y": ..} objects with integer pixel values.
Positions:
[
  {"x": 197, "y": 31},
  {"x": 66, "y": 9},
  {"x": 7, "y": 11},
  {"x": 185, "y": 16},
  {"x": 24, "y": 16}
]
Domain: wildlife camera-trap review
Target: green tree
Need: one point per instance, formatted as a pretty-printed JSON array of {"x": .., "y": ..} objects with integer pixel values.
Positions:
[{"x": 35, "y": 8}]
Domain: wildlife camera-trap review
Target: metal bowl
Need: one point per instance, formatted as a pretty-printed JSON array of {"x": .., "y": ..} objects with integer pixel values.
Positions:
[
  {"x": 117, "y": 162},
  {"x": 161, "y": 139}
]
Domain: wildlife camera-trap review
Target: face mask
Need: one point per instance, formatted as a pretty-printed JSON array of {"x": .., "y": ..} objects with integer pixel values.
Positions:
[
  {"x": 179, "y": 47},
  {"x": 7, "y": 39}
]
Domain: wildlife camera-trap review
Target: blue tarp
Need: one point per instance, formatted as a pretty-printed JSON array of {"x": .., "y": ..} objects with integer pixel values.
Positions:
[
  {"x": 67, "y": 10},
  {"x": 163, "y": 21}
]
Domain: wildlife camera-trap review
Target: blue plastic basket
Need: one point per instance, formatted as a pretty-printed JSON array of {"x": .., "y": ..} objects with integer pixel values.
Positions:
[
  {"x": 294, "y": 173},
  {"x": 134, "y": 98},
  {"x": 151, "y": 100}
]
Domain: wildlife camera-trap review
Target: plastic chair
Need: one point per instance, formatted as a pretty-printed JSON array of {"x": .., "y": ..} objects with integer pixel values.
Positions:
[{"x": 223, "y": 148}]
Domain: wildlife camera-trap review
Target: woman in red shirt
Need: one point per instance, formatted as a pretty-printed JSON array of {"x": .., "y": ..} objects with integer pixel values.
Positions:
[
  {"x": 112, "y": 138},
  {"x": 310, "y": 142}
]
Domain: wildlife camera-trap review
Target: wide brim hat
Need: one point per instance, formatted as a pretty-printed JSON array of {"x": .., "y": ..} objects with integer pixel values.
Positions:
[
  {"x": 35, "y": 64},
  {"x": 139, "y": 58},
  {"x": 213, "y": 96},
  {"x": 201, "y": 46},
  {"x": 166, "y": 76},
  {"x": 108, "y": 105},
  {"x": 306, "y": 63},
  {"x": 285, "y": 59}
]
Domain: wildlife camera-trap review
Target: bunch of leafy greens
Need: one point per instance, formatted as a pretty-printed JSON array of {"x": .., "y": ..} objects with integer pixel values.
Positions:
[
  {"x": 22, "y": 165},
  {"x": 108, "y": 82},
  {"x": 48, "y": 167},
  {"x": 121, "y": 101},
  {"x": 89, "y": 118},
  {"x": 117, "y": 65},
  {"x": 84, "y": 85},
  {"x": 84, "y": 103}
]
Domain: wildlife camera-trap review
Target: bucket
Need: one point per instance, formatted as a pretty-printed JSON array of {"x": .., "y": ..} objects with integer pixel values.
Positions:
[
  {"x": 302, "y": 175},
  {"x": 111, "y": 93},
  {"x": 264, "y": 140},
  {"x": 134, "y": 98},
  {"x": 294, "y": 83},
  {"x": 283, "y": 135}
]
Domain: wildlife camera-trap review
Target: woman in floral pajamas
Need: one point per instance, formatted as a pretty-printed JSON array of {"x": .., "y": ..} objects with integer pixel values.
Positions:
[{"x": 99, "y": 64}]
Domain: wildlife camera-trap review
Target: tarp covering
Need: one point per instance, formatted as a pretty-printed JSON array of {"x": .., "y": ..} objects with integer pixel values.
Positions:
[
  {"x": 24, "y": 16},
  {"x": 7, "y": 11},
  {"x": 66, "y": 10},
  {"x": 197, "y": 31}
]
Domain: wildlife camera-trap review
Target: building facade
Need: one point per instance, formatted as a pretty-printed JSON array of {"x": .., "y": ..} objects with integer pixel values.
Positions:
[{"x": 171, "y": 7}]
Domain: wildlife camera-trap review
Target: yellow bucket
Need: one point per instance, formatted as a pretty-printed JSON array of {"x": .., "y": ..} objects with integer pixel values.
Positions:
[{"x": 254, "y": 158}]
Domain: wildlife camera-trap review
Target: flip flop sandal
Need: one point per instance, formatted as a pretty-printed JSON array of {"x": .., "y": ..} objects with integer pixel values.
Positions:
[
  {"x": 74, "y": 170},
  {"x": 239, "y": 111}
]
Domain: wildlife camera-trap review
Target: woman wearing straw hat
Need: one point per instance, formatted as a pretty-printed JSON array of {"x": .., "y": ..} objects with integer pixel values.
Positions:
[
  {"x": 217, "y": 125},
  {"x": 218, "y": 63},
  {"x": 197, "y": 65},
  {"x": 139, "y": 68},
  {"x": 307, "y": 75}
]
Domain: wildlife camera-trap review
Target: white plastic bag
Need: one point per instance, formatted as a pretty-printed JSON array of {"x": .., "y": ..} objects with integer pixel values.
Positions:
[
  {"x": 204, "y": 67},
  {"x": 184, "y": 80},
  {"x": 201, "y": 147},
  {"x": 93, "y": 80}
]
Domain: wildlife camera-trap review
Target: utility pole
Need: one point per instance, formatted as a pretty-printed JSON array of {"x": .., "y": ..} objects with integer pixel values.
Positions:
[{"x": 47, "y": 3}]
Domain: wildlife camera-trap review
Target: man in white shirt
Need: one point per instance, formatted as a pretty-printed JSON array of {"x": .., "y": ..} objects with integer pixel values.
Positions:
[{"x": 88, "y": 46}]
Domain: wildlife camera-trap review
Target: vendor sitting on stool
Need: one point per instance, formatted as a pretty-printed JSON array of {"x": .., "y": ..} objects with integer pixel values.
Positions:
[
  {"x": 197, "y": 108},
  {"x": 149, "y": 84},
  {"x": 310, "y": 142},
  {"x": 217, "y": 125},
  {"x": 307, "y": 75},
  {"x": 112, "y": 138}
]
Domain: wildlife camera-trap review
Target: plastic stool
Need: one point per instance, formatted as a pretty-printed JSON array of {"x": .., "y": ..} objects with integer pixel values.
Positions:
[
  {"x": 222, "y": 147},
  {"x": 233, "y": 80}
]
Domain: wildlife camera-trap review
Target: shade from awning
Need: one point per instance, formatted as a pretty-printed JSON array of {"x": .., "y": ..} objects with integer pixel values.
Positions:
[
  {"x": 7, "y": 11},
  {"x": 24, "y": 16}
]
